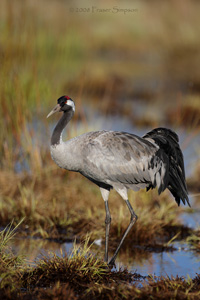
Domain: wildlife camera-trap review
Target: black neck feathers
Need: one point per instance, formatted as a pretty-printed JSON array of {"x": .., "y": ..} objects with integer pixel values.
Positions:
[{"x": 62, "y": 123}]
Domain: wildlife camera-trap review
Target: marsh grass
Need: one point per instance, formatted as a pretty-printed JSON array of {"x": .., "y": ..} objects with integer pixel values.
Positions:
[
  {"x": 187, "y": 113},
  {"x": 10, "y": 264},
  {"x": 7, "y": 234},
  {"x": 194, "y": 240},
  {"x": 193, "y": 181}
]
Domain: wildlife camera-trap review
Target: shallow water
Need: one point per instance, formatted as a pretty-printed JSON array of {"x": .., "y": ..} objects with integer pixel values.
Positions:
[
  {"x": 192, "y": 220},
  {"x": 181, "y": 262}
]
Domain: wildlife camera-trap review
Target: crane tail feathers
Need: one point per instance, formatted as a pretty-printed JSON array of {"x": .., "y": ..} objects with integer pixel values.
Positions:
[{"x": 168, "y": 142}]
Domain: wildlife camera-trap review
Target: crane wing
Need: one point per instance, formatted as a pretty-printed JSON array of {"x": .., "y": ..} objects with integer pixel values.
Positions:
[{"x": 119, "y": 157}]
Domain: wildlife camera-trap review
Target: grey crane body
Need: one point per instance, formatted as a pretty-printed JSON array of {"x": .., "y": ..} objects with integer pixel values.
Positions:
[{"x": 122, "y": 161}]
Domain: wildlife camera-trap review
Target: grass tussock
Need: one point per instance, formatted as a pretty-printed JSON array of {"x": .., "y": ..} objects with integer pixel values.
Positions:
[{"x": 79, "y": 269}]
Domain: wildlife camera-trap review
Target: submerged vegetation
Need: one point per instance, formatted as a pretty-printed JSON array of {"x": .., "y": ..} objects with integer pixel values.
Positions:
[{"x": 147, "y": 72}]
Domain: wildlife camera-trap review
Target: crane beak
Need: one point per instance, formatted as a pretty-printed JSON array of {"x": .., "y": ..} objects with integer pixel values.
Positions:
[{"x": 54, "y": 110}]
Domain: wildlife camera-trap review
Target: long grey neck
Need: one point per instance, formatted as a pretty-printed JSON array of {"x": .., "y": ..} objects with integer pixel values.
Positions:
[{"x": 56, "y": 138}]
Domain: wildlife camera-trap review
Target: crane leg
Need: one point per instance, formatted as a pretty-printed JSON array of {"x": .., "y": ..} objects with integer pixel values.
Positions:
[
  {"x": 105, "y": 195},
  {"x": 132, "y": 222},
  {"x": 107, "y": 222}
]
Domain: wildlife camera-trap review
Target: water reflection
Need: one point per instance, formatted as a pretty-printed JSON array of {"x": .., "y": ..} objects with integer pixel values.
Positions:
[
  {"x": 33, "y": 249},
  {"x": 182, "y": 263}
]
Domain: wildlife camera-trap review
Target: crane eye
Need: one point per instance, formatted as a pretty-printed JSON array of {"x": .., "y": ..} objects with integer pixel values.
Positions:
[{"x": 62, "y": 103}]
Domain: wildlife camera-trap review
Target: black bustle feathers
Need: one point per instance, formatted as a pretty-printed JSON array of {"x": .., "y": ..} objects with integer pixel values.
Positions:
[{"x": 168, "y": 142}]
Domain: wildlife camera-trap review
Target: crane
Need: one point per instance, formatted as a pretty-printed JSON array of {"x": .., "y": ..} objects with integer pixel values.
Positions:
[{"x": 121, "y": 161}]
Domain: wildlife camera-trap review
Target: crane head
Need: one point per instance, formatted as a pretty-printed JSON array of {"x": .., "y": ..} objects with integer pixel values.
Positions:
[{"x": 65, "y": 103}]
